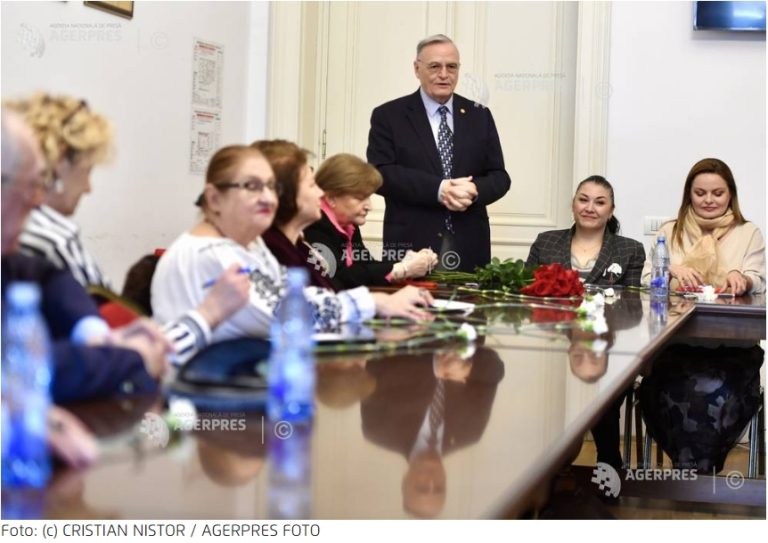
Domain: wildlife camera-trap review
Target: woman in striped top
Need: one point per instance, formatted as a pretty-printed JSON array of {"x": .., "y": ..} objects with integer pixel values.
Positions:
[{"x": 73, "y": 139}]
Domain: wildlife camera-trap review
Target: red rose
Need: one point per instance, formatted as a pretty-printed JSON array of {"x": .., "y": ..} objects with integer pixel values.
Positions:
[
  {"x": 551, "y": 315},
  {"x": 543, "y": 288},
  {"x": 545, "y": 273},
  {"x": 563, "y": 286},
  {"x": 554, "y": 280}
]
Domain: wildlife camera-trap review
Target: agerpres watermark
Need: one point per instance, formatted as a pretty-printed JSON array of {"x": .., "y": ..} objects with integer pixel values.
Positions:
[
  {"x": 321, "y": 258},
  {"x": 183, "y": 417},
  {"x": 659, "y": 474},
  {"x": 609, "y": 481}
]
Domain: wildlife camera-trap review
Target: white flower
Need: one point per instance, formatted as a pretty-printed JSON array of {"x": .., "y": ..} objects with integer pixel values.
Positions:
[
  {"x": 599, "y": 345},
  {"x": 467, "y": 332},
  {"x": 708, "y": 294},
  {"x": 614, "y": 268},
  {"x": 466, "y": 351},
  {"x": 597, "y": 324},
  {"x": 598, "y": 299},
  {"x": 600, "y": 325},
  {"x": 609, "y": 293},
  {"x": 588, "y": 308}
]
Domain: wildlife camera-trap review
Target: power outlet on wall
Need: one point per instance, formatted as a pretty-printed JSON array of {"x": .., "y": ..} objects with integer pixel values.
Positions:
[{"x": 651, "y": 225}]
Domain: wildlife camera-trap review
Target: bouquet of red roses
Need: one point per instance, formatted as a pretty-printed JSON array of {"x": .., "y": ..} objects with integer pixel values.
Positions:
[{"x": 554, "y": 280}]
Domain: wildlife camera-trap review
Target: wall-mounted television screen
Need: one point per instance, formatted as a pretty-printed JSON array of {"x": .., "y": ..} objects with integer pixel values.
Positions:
[{"x": 745, "y": 16}]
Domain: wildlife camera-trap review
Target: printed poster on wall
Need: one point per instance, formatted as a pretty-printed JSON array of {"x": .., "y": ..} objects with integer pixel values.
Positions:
[
  {"x": 207, "y": 68},
  {"x": 205, "y": 137},
  {"x": 207, "y": 83}
]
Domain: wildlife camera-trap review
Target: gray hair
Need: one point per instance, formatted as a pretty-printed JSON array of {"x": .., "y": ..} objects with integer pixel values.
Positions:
[
  {"x": 9, "y": 160},
  {"x": 435, "y": 38}
]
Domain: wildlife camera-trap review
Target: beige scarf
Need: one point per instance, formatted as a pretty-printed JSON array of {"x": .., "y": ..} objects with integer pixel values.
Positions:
[{"x": 700, "y": 238}]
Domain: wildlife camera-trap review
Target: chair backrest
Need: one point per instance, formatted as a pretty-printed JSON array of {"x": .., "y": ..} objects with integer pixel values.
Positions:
[
  {"x": 117, "y": 314},
  {"x": 138, "y": 281}
]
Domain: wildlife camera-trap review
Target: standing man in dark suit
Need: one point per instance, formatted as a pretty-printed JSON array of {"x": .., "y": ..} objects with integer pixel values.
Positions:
[{"x": 442, "y": 164}]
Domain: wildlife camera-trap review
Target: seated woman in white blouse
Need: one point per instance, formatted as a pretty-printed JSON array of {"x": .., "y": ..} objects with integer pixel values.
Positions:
[{"x": 239, "y": 204}]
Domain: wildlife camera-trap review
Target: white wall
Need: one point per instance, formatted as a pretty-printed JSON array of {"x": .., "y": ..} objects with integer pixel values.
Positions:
[
  {"x": 138, "y": 73},
  {"x": 678, "y": 96}
]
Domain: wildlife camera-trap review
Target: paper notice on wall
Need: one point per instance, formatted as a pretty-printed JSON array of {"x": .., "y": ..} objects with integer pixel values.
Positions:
[
  {"x": 204, "y": 139},
  {"x": 207, "y": 66}
]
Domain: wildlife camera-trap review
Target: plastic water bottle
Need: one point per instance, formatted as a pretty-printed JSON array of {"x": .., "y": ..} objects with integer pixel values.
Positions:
[
  {"x": 660, "y": 270},
  {"x": 26, "y": 392},
  {"x": 291, "y": 374},
  {"x": 290, "y": 471},
  {"x": 658, "y": 317}
]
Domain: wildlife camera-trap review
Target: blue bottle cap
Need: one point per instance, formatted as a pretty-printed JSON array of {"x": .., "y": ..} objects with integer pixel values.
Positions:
[
  {"x": 24, "y": 295},
  {"x": 297, "y": 277}
]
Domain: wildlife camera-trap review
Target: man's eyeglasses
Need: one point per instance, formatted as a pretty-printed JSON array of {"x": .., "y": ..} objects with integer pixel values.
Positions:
[
  {"x": 435, "y": 68},
  {"x": 251, "y": 185}
]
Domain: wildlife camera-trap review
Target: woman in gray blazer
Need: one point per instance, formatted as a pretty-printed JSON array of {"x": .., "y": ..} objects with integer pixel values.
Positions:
[{"x": 592, "y": 245}]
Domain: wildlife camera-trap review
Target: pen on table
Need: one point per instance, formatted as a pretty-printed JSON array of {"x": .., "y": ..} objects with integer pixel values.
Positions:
[{"x": 211, "y": 282}]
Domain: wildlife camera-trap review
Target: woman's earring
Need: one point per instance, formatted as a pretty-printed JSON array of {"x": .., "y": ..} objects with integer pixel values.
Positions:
[{"x": 58, "y": 186}]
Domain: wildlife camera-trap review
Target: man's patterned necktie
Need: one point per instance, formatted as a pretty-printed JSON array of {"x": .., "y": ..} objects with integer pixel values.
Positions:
[
  {"x": 445, "y": 148},
  {"x": 436, "y": 414}
]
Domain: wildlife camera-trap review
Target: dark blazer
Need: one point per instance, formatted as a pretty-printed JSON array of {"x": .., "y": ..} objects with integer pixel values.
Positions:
[
  {"x": 405, "y": 386},
  {"x": 402, "y": 147},
  {"x": 80, "y": 372},
  {"x": 364, "y": 271},
  {"x": 555, "y": 246}
]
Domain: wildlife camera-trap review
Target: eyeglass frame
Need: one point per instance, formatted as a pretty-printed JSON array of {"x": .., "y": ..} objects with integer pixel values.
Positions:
[
  {"x": 256, "y": 186},
  {"x": 435, "y": 68}
]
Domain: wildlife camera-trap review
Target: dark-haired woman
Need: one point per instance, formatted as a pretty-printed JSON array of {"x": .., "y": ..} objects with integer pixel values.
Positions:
[{"x": 592, "y": 245}]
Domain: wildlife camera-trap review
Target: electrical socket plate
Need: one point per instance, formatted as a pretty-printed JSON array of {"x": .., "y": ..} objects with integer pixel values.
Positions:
[{"x": 651, "y": 225}]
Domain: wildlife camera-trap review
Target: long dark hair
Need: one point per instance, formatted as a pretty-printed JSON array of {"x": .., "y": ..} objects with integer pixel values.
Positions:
[
  {"x": 613, "y": 225},
  {"x": 707, "y": 165}
]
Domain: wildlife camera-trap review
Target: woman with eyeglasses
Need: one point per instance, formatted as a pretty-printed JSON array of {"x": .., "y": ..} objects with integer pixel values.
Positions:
[
  {"x": 239, "y": 203},
  {"x": 330, "y": 222},
  {"x": 73, "y": 139}
]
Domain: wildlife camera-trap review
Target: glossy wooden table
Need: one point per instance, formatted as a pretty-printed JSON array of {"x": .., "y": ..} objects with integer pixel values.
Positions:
[{"x": 515, "y": 412}]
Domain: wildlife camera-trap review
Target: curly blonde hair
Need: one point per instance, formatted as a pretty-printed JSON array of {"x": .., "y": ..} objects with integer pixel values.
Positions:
[{"x": 66, "y": 128}]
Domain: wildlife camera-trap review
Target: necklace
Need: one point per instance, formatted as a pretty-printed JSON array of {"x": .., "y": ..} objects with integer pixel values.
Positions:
[
  {"x": 585, "y": 250},
  {"x": 214, "y": 226}
]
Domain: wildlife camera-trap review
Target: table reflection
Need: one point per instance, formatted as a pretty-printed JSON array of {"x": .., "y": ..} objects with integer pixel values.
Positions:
[
  {"x": 343, "y": 382},
  {"x": 407, "y": 433},
  {"x": 424, "y": 407}
]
